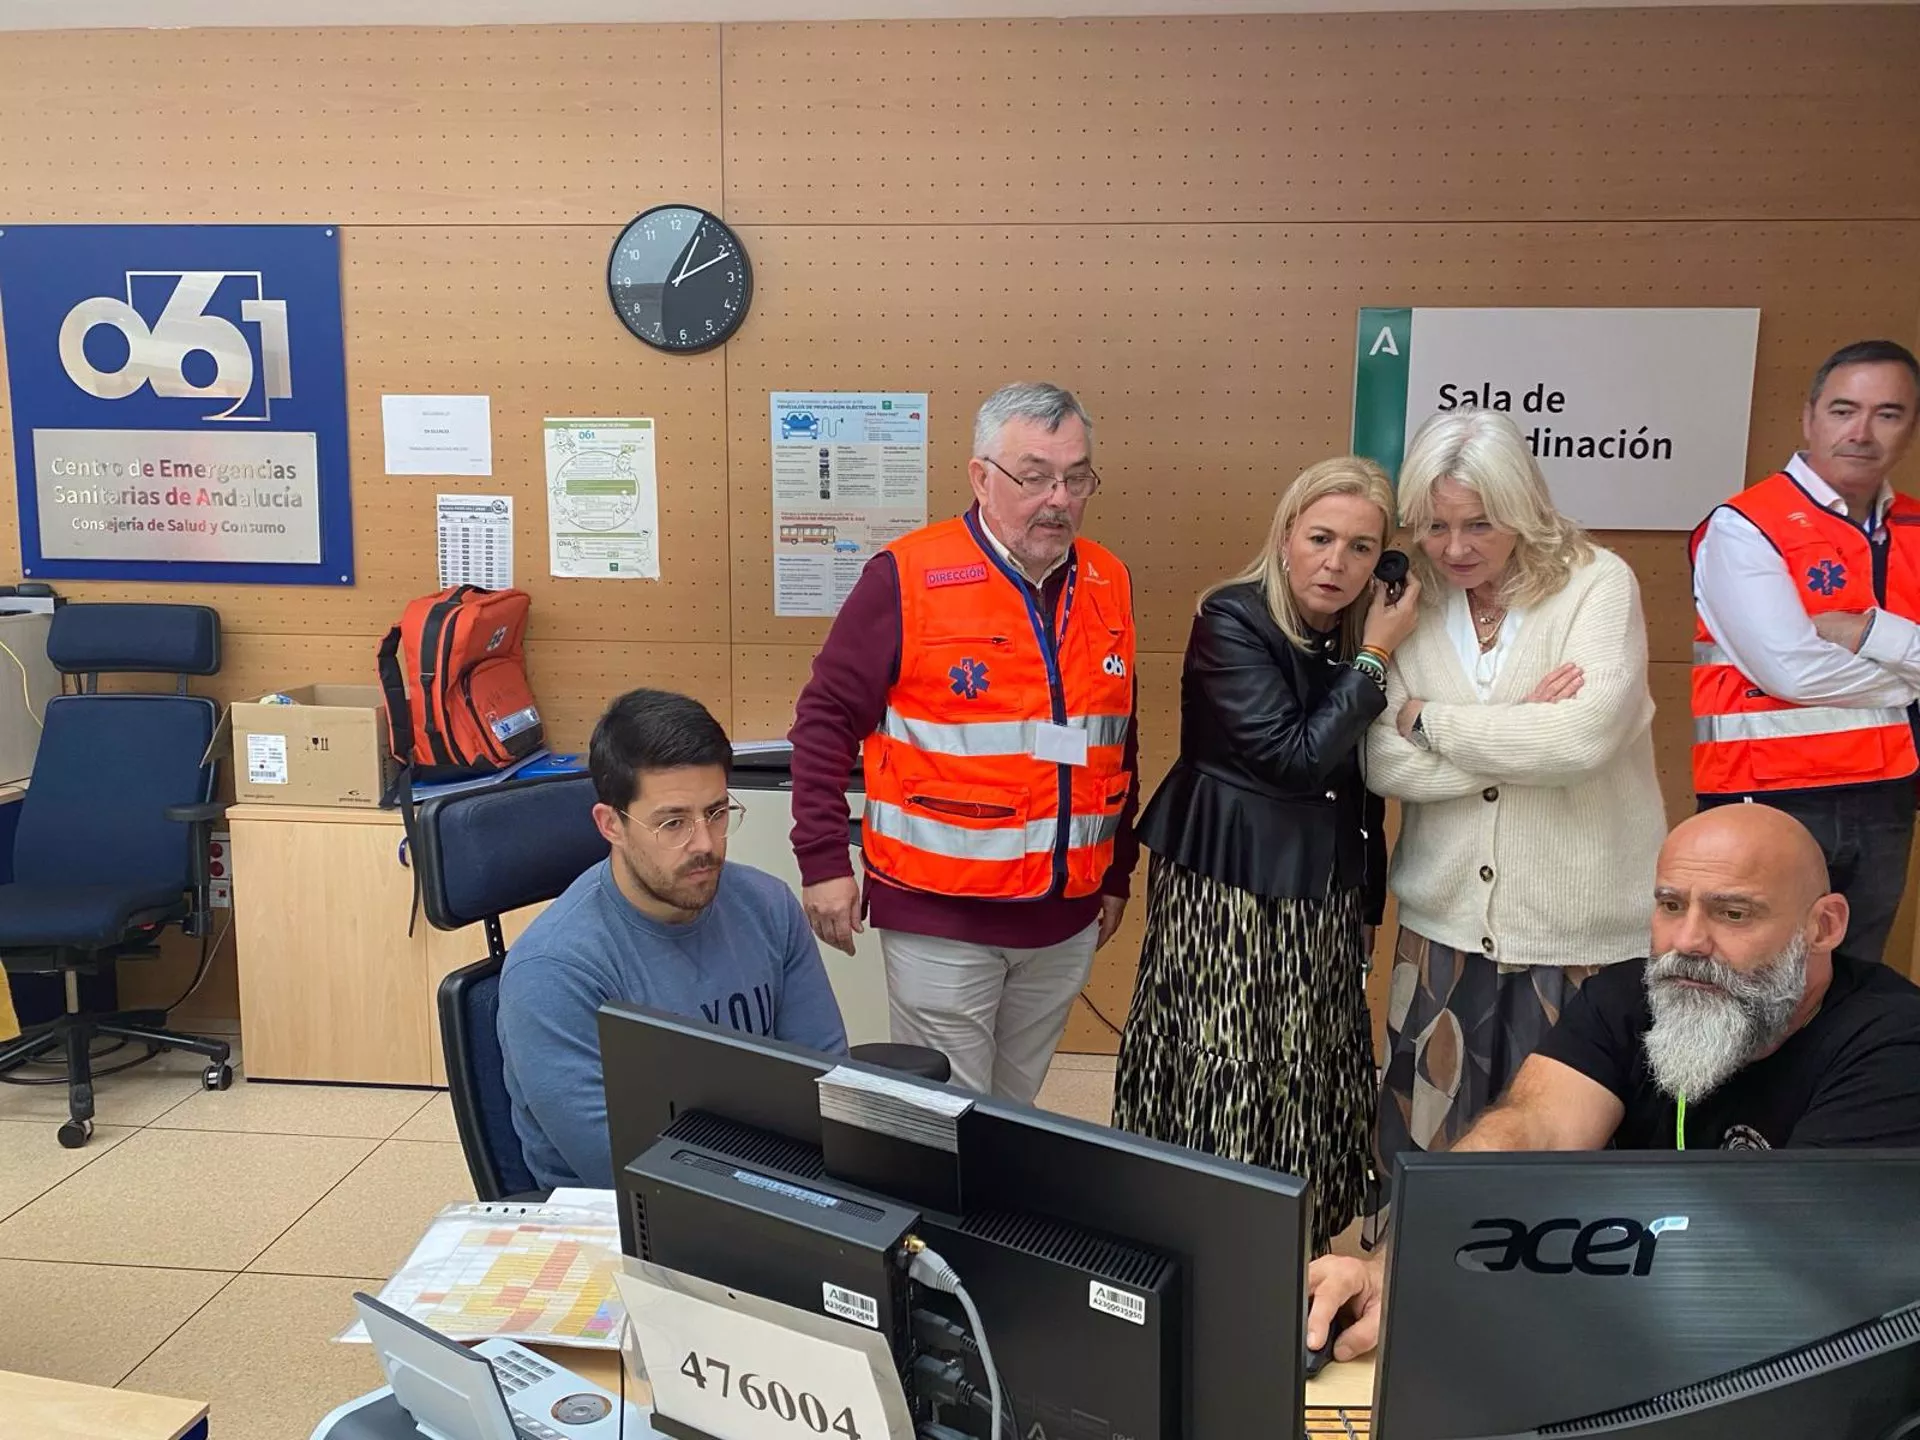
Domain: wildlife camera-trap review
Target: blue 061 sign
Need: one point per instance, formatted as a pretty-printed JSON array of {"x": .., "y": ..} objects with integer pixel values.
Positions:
[{"x": 179, "y": 402}]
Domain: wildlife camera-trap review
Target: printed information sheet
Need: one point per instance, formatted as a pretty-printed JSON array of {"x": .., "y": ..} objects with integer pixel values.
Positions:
[
  {"x": 603, "y": 510},
  {"x": 476, "y": 541},
  {"x": 849, "y": 475}
]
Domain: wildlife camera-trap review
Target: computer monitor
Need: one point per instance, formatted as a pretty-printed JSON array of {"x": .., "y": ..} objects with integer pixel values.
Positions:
[
  {"x": 1658, "y": 1295},
  {"x": 1214, "y": 1246}
]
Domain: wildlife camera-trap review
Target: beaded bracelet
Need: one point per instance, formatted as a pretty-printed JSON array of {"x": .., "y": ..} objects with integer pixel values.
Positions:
[
  {"x": 1370, "y": 666},
  {"x": 1377, "y": 653}
]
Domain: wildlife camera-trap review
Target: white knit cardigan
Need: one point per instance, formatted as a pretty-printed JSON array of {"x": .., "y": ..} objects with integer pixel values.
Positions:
[{"x": 1529, "y": 830}]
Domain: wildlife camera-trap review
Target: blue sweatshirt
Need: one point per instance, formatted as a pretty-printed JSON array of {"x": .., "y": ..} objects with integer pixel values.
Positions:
[{"x": 748, "y": 961}]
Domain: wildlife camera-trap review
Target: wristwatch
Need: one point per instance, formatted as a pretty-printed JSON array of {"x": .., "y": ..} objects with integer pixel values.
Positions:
[{"x": 1419, "y": 734}]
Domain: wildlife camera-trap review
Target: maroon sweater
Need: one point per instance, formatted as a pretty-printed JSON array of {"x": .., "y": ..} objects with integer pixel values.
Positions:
[{"x": 841, "y": 705}]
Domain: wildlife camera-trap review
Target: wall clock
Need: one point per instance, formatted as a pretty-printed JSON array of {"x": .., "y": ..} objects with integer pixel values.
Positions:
[{"x": 679, "y": 279}]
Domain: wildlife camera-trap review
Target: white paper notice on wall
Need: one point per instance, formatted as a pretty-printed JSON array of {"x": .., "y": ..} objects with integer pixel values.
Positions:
[
  {"x": 267, "y": 759},
  {"x": 438, "y": 434},
  {"x": 476, "y": 540},
  {"x": 849, "y": 475},
  {"x": 603, "y": 505}
]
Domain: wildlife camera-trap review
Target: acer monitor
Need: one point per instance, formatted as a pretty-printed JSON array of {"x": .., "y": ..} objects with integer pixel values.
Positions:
[
  {"x": 1655, "y": 1295},
  {"x": 1131, "y": 1290}
]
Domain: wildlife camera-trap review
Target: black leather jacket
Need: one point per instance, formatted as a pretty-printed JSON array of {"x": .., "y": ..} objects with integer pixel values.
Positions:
[{"x": 1267, "y": 795}]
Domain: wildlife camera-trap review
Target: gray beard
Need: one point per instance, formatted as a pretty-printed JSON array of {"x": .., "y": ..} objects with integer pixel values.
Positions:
[{"x": 1701, "y": 1038}]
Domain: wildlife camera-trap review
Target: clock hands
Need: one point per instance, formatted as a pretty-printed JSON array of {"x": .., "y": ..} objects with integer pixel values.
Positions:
[
  {"x": 688, "y": 256},
  {"x": 686, "y": 273}
]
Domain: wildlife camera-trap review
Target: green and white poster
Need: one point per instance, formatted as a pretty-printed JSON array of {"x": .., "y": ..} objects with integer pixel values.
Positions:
[{"x": 1637, "y": 417}]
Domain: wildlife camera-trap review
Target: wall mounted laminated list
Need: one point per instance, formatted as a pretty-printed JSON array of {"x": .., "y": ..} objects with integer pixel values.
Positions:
[
  {"x": 849, "y": 475},
  {"x": 476, "y": 540},
  {"x": 603, "y": 506}
]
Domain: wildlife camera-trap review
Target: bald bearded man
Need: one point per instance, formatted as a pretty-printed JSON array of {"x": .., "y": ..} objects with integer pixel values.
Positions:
[{"x": 1744, "y": 1032}]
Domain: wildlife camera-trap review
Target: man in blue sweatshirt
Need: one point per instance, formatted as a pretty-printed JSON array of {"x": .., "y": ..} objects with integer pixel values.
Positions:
[{"x": 663, "y": 922}]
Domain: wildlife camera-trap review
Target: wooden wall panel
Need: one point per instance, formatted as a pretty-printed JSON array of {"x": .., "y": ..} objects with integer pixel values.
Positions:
[
  {"x": 519, "y": 313},
  {"x": 373, "y": 126},
  {"x": 1616, "y": 115},
  {"x": 1177, "y": 218},
  {"x": 1217, "y": 361}
]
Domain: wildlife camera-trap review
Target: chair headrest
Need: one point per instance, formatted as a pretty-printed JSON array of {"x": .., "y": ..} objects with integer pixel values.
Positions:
[
  {"x": 488, "y": 852},
  {"x": 156, "y": 639}
]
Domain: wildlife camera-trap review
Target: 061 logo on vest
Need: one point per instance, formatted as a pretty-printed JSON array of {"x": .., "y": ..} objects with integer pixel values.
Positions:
[
  {"x": 1115, "y": 667},
  {"x": 1828, "y": 577},
  {"x": 969, "y": 679}
]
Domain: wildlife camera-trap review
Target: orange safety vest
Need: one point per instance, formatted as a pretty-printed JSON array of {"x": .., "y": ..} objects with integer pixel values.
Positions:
[
  {"x": 1745, "y": 740},
  {"x": 958, "y": 802}
]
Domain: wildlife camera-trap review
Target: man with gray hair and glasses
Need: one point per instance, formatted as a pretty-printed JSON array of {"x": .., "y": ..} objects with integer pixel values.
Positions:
[{"x": 982, "y": 668}]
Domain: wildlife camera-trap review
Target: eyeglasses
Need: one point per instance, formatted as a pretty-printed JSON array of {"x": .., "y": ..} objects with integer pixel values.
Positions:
[
  {"x": 1080, "y": 483},
  {"x": 676, "y": 831}
]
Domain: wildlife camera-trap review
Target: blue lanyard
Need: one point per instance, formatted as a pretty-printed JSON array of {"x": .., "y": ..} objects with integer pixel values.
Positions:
[{"x": 1066, "y": 596}]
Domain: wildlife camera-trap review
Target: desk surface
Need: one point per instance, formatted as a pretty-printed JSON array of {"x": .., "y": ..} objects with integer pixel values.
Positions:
[
  {"x": 310, "y": 814},
  {"x": 1347, "y": 1387},
  {"x": 33, "y": 1408}
]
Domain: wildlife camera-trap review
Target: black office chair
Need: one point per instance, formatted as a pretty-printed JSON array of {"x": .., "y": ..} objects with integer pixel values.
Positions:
[
  {"x": 483, "y": 854},
  {"x": 112, "y": 844}
]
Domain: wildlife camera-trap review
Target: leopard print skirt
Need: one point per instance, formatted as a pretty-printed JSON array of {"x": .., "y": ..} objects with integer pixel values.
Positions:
[{"x": 1249, "y": 1037}]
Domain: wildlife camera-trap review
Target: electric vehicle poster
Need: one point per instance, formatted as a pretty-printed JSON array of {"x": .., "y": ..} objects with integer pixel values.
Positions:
[{"x": 849, "y": 475}]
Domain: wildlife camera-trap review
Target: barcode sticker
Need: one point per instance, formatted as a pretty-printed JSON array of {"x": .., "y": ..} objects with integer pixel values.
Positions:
[
  {"x": 1122, "y": 1303},
  {"x": 267, "y": 759},
  {"x": 850, "y": 1305}
]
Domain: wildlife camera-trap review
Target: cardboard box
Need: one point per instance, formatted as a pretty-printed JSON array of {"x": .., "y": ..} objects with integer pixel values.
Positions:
[{"x": 327, "y": 748}]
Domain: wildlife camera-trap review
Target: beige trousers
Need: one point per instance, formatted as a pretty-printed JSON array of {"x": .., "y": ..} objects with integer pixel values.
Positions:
[{"x": 996, "y": 1014}]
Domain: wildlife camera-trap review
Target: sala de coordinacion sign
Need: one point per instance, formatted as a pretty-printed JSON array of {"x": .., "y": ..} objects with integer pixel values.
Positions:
[{"x": 1547, "y": 443}]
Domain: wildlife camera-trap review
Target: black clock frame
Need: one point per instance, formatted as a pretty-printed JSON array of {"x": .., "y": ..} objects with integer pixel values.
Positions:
[{"x": 746, "y": 272}]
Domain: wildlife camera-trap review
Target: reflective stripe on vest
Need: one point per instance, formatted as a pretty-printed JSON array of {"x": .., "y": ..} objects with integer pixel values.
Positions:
[
  {"x": 1794, "y": 723},
  {"x": 1747, "y": 741},
  {"x": 959, "y": 802},
  {"x": 994, "y": 737},
  {"x": 965, "y": 842}
]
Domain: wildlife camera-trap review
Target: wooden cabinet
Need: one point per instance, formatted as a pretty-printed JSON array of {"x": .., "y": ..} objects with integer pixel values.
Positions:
[{"x": 332, "y": 987}]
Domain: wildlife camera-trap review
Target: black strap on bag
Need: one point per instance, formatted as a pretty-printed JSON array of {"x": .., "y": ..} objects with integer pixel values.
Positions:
[
  {"x": 394, "y": 687},
  {"x": 400, "y": 792}
]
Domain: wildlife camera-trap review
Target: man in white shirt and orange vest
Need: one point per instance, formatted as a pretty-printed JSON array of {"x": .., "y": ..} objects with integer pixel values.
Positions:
[
  {"x": 1806, "y": 654},
  {"x": 983, "y": 669}
]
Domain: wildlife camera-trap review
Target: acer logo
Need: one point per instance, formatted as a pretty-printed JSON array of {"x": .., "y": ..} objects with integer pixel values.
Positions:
[{"x": 1614, "y": 1246}]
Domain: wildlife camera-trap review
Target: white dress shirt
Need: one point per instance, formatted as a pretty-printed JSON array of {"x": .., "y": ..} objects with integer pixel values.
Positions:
[
  {"x": 1482, "y": 666},
  {"x": 1752, "y": 607}
]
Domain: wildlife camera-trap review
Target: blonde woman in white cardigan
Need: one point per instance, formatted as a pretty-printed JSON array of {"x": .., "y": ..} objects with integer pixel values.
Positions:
[{"x": 1518, "y": 738}]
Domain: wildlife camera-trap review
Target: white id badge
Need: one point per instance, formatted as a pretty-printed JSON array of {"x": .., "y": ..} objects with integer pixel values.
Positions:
[{"x": 1060, "y": 744}]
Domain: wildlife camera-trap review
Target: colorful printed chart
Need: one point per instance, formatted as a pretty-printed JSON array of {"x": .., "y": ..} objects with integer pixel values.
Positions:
[{"x": 539, "y": 1274}]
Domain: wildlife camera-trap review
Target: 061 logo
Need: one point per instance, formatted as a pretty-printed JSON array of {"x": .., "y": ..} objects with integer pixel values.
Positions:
[{"x": 157, "y": 355}]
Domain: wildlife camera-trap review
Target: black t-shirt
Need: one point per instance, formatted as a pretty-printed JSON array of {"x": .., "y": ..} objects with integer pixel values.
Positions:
[{"x": 1849, "y": 1077}]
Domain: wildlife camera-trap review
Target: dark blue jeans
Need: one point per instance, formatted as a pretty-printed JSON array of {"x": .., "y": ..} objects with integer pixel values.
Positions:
[{"x": 1865, "y": 832}]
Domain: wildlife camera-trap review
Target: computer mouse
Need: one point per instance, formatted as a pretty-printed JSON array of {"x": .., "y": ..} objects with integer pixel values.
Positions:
[{"x": 1312, "y": 1362}]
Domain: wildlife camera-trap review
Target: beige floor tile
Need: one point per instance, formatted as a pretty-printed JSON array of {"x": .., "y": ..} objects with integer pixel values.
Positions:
[
  {"x": 434, "y": 1122},
  {"x": 1083, "y": 1094},
  {"x": 32, "y": 1162},
  {"x": 372, "y": 1220},
  {"x": 1103, "y": 1063},
  {"x": 262, "y": 1354},
  {"x": 269, "y": 1109},
  {"x": 182, "y": 1197},
  {"x": 135, "y": 1098},
  {"x": 93, "y": 1323}
]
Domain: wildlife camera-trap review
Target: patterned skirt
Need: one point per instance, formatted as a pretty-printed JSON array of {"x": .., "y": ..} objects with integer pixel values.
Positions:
[
  {"x": 1458, "y": 1026},
  {"x": 1249, "y": 1039}
]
